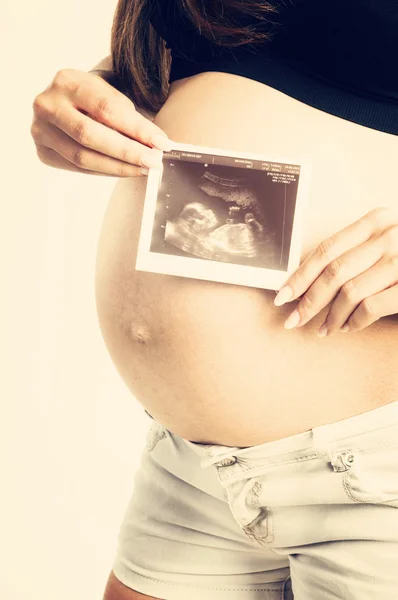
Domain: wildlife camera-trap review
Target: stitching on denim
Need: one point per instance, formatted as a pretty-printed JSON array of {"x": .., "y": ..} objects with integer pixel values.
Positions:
[
  {"x": 251, "y": 467},
  {"x": 255, "y": 494},
  {"x": 353, "y": 448},
  {"x": 231, "y": 508},
  {"x": 263, "y": 540},
  {"x": 245, "y": 469},
  {"x": 380, "y": 445},
  {"x": 347, "y": 489},
  {"x": 246, "y": 529},
  {"x": 349, "y": 492},
  {"x": 183, "y": 585},
  {"x": 271, "y": 524}
]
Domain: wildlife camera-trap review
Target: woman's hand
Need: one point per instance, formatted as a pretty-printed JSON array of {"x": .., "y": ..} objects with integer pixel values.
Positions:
[
  {"x": 81, "y": 123},
  {"x": 356, "y": 270}
]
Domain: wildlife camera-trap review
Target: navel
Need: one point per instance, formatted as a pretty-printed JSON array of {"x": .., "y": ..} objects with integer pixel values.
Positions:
[{"x": 140, "y": 334}]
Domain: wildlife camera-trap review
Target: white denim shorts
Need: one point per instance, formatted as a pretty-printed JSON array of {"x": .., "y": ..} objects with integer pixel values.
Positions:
[{"x": 312, "y": 517}]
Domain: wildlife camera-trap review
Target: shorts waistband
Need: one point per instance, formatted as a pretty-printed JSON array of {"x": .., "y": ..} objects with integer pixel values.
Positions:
[{"x": 367, "y": 423}]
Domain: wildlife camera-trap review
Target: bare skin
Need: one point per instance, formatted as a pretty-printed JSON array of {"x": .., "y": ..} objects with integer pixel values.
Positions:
[
  {"x": 115, "y": 590},
  {"x": 213, "y": 362}
]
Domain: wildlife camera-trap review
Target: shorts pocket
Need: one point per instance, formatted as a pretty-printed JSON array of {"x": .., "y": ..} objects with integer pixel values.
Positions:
[
  {"x": 373, "y": 475},
  {"x": 253, "y": 518},
  {"x": 155, "y": 433}
]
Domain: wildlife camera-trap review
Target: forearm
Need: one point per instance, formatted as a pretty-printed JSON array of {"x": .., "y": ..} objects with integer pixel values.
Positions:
[{"x": 104, "y": 70}]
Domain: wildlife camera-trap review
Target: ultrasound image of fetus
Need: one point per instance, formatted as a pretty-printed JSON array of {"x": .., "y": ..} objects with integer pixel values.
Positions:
[
  {"x": 236, "y": 238},
  {"x": 199, "y": 230},
  {"x": 193, "y": 224},
  {"x": 198, "y": 217}
]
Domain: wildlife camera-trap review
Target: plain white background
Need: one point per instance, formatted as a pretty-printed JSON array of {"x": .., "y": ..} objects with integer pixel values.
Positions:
[{"x": 70, "y": 431}]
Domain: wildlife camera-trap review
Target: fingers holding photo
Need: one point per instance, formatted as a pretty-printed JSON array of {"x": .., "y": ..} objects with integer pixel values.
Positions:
[
  {"x": 81, "y": 123},
  {"x": 359, "y": 261}
]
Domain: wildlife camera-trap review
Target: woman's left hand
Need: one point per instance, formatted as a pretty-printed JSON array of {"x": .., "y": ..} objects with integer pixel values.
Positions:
[{"x": 356, "y": 270}]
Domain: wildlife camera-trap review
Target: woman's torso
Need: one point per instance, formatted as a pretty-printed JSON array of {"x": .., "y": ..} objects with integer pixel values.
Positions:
[{"x": 213, "y": 362}]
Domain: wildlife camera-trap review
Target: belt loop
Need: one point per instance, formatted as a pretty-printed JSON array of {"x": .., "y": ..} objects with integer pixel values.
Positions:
[{"x": 321, "y": 443}]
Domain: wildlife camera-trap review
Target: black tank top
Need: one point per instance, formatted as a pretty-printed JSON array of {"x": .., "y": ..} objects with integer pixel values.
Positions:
[{"x": 340, "y": 56}]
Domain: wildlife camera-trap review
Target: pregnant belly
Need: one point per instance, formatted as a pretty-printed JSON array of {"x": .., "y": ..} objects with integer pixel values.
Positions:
[{"x": 212, "y": 361}]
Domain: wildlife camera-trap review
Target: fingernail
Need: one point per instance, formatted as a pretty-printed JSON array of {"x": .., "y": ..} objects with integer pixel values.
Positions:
[
  {"x": 323, "y": 331},
  {"x": 284, "y": 296},
  {"x": 162, "y": 142},
  {"x": 344, "y": 328},
  {"x": 144, "y": 171},
  {"x": 152, "y": 159},
  {"x": 292, "y": 320}
]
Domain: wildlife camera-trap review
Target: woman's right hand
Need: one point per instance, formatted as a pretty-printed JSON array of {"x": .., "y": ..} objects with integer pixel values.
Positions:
[{"x": 81, "y": 123}]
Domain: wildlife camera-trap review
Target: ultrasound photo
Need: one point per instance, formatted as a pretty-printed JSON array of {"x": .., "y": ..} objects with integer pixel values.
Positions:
[{"x": 223, "y": 217}]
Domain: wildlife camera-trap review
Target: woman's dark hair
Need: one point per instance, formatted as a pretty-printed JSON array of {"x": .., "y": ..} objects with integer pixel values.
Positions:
[{"x": 140, "y": 56}]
